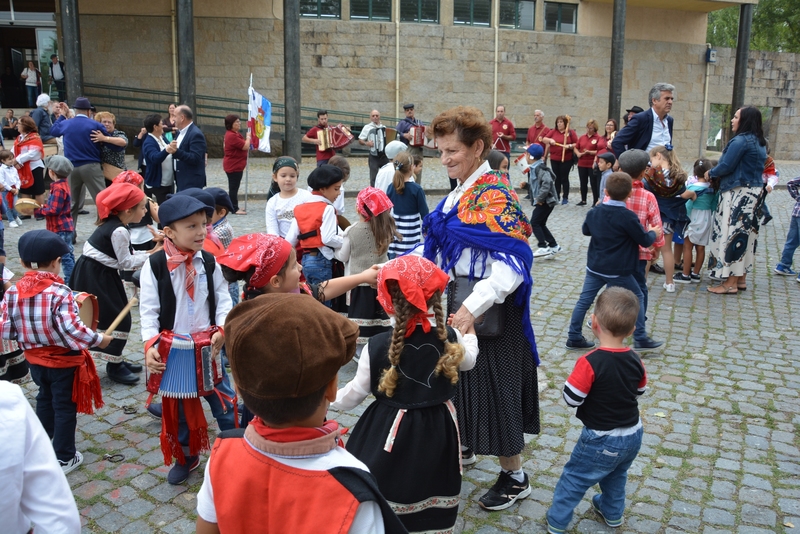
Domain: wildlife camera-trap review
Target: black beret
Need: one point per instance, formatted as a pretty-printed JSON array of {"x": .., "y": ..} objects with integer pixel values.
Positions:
[
  {"x": 41, "y": 246},
  {"x": 324, "y": 176}
]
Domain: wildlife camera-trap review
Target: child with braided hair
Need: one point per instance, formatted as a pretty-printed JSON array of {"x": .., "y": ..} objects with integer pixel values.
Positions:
[{"x": 408, "y": 437}]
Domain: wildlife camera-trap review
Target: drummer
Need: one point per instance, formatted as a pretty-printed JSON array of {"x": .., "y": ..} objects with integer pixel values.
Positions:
[
  {"x": 311, "y": 137},
  {"x": 373, "y": 135},
  {"x": 404, "y": 135}
]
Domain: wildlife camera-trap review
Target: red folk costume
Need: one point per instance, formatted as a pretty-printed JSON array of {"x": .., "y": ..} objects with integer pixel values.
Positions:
[{"x": 31, "y": 140}]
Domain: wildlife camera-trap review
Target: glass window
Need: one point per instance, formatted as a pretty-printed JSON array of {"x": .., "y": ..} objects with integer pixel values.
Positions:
[
  {"x": 426, "y": 11},
  {"x": 517, "y": 14},
  {"x": 371, "y": 9},
  {"x": 321, "y": 9},
  {"x": 472, "y": 12},
  {"x": 560, "y": 17}
]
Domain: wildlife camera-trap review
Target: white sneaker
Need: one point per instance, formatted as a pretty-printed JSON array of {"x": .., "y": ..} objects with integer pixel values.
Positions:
[
  {"x": 73, "y": 464},
  {"x": 544, "y": 251},
  {"x": 19, "y": 221},
  {"x": 669, "y": 287},
  {"x": 556, "y": 249},
  {"x": 13, "y": 224}
]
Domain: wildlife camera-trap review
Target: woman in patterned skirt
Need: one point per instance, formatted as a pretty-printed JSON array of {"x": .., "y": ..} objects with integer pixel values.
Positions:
[{"x": 480, "y": 231}]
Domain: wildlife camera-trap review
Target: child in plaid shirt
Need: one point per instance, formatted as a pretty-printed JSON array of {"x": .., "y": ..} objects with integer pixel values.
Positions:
[
  {"x": 42, "y": 316},
  {"x": 223, "y": 229},
  {"x": 57, "y": 212}
]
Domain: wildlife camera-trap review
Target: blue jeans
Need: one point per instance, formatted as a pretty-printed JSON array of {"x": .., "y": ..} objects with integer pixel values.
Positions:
[
  {"x": 33, "y": 91},
  {"x": 54, "y": 407},
  {"x": 67, "y": 260},
  {"x": 221, "y": 410},
  {"x": 233, "y": 290},
  {"x": 11, "y": 213},
  {"x": 792, "y": 242},
  {"x": 317, "y": 269},
  {"x": 595, "y": 459},
  {"x": 640, "y": 276},
  {"x": 592, "y": 285}
]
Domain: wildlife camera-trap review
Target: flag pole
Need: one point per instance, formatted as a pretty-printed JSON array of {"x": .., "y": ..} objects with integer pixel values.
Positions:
[{"x": 247, "y": 166}]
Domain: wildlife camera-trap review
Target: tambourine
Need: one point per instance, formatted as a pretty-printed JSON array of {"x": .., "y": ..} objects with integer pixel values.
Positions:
[{"x": 26, "y": 206}]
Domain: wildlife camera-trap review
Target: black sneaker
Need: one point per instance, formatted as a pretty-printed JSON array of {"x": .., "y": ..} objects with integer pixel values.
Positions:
[
  {"x": 505, "y": 492},
  {"x": 680, "y": 278},
  {"x": 156, "y": 410},
  {"x": 656, "y": 268},
  {"x": 646, "y": 344},
  {"x": 180, "y": 472},
  {"x": 767, "y": 219},
  {"x": 695, "y": 278},
  {"x": 579, "y": 344},
  {"x": 468, "y": 457}
]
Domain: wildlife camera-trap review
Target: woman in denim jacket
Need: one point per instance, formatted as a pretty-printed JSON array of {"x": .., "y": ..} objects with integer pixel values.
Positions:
[{"x": 737, "y": 177}]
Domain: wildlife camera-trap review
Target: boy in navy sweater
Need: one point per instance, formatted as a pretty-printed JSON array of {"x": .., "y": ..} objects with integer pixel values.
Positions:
[
  {"x": 613, "y": 256},
  {"x": 605, "y": 387}
]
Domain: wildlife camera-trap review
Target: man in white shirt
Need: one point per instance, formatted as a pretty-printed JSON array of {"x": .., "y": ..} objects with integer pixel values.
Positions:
[
  {"x": 188, "y": 151},
  {"x": 57, "y": 76},
  {"x": 373, "y": 135}
]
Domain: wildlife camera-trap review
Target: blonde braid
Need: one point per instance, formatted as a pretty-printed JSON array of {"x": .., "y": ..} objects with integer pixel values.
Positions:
[
  {"x": 453, "y": 352},
  {"x": 403, "y": 311}
]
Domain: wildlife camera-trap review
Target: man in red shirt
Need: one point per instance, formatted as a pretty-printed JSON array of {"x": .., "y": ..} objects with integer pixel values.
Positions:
[
  {"x": 538, "y": 132},
  {"x": 311, "y": 137},
  {"x": 502, "y": 132}
]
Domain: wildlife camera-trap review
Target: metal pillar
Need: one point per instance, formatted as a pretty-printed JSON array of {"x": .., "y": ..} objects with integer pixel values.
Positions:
[
  {"x": 186, "y": 73},
  {"x": 617, "y": 63},
  {"x": 742, "y": 51},
  {"x": 73, "y": 60},
  {"x": 291, "y": 78}
]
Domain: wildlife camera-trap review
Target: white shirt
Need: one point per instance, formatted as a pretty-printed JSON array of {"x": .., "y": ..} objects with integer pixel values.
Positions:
[
  {"x": 329, "y": 232},
  {"x": 120, "y": 241},
  {"x": 9, "y": 178},
  {"x": 354, "y": 393},
  {"x": 660, "y": 134},
  {"x": 30, "y": 154},
  {"x": 57, "y": 73},
  {"x": 368, "y": 518},
  {"x": 384, "y": 177},
  {"x": 182, "y": 133},
  {"x": 33, "y": 488},
  {"x": 280, "y": 211},
  {"x": 498, "y": 281},
  {"x": 190, "y": 315},
  {"x": 32, "y": 78},
  {"x": 375, "y": 133}
]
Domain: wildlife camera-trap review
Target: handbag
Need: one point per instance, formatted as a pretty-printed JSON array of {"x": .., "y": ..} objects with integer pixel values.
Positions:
[
  {"x": 492, "y": 323},
  {"x": 110, "y": 171}
]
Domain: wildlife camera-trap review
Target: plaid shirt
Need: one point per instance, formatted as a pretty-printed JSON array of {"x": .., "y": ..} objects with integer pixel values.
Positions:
[
  {"x": 45, "y": 320},
  {"x": 793, "y": 186},
  {"x": 224, "y": 231},
  {"x": 643, "y": 203},
  {"x": 57, "y": 212}
]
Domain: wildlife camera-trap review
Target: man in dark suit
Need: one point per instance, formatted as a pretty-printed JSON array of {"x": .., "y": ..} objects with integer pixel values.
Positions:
[
  {"x": 188, "y": 151},
  {"x": 649, "y": 128}
]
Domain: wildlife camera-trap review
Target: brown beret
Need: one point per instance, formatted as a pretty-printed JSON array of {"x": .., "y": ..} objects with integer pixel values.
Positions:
[{"x": 286, "y": 345}]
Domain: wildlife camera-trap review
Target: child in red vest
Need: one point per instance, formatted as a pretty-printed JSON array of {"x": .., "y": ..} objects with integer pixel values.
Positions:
[
  {"x": 290, "y": 454},
  {"x": 315, "y": 225},
  {"x": 42, "y": 316}
]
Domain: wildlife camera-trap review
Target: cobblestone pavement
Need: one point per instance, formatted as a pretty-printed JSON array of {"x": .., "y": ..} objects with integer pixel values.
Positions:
[{"x": 721, "y": 450}]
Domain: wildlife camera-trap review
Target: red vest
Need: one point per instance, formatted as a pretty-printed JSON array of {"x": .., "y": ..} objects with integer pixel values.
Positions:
[
  {"x": 309, "y": 222},
  {"x": 254, "y": 493}
]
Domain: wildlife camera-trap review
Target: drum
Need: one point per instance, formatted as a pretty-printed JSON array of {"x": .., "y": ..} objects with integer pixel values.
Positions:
[
  {"x": 391, "y": 135},
  {"x": 26, "y": 206},
  {"x": 522, "y": 163},
  {"x": 417, "y": 136},
  {"x": 338, "y": 136},
  {"x": 88, "y": 309}
]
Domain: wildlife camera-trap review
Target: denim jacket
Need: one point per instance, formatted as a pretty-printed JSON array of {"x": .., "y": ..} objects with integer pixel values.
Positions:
[{"x": 741, "y": 163}]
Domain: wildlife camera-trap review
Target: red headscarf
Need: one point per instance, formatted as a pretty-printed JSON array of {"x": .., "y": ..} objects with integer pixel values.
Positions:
[
  {"x": 418, "y": 279},
  {"x": 375, "y": 200},
  {"x": 129, "y": 177},
  {"x": 117, "y": 197},
  {"x": 267, "y": 253}
]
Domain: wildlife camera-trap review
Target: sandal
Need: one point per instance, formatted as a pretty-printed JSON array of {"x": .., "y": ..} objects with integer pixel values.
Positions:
[
  {"x": 741, "y": 288},
  {"x": 726, "y": 290}
]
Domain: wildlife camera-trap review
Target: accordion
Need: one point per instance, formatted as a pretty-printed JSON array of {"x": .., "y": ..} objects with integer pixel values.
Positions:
[
  {"x": 191, "y": 370},
  {"x": 338, "y": 136}
]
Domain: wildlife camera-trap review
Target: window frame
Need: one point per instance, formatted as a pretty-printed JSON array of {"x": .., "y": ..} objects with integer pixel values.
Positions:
[
  {"x": 515, "y": 25},
  {"x": 471, "y": 22},
  {"x": 370, "y": 16},
  {"x": 319, "y": 15},
  {"x": 418, "y": 17},
  {"x": 558, "y": 21}
]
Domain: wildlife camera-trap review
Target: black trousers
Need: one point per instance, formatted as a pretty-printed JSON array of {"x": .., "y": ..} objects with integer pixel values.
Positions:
[
  {"x": 234, "y": 181},
  {"x": 594, "y": 181},
  {"x": 561, "y": 170},
  {"x": 584, "y": 173},
  {"x": 159, "y": 192},
  {"x": 539, "y": 225},
  {"x": 375, "y": 163}
]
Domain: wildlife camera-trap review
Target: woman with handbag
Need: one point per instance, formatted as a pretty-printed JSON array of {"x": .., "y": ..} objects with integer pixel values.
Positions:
[
  {"x": 113, "y": 162},
  {"x": 479, "y": 235},
  {"x": 32, "y": 78},
  {"x": 28, "y": 159}
]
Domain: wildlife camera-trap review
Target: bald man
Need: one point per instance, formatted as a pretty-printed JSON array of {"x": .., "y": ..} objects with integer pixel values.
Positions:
[{"x": 373, "y": 135}]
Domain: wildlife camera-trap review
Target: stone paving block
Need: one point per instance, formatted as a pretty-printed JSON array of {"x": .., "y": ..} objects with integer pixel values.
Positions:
[
  {"x": 647, "y": 526},
  {"x": 112, "y": 522},
  {"x": 137, "y": 527},
  {"x": 686, "y": 508},
  {"x": 123, "y": 471},
  {"x": 181, "y": 526},
  {"x": 685, "y": 524},
  {"x": 136, "y": 508},
  {"x": 92, "y": 489},
  {"x": 758, "y": 515},
  {"x": 165, "y": 492},
  {"x": 716, "y": 516},
  {"x": 120, "y": 495},
  {"x": 96, "y": 510}
]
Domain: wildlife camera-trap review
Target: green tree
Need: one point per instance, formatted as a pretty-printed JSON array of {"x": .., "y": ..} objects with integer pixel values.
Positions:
[{"x": 776, "y": 26}]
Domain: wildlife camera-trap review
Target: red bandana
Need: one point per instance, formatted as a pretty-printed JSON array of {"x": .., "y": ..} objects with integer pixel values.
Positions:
[
  {"x": 129, "y": 177},
  {"x": 267, "y": 253},
  {"x": 295, "y": 433},
  {"x": 117, "y": 197},
  {"x": 34, "y": 282},
  {"x": 418, "y": 279},
  {"x": 176, "y": 257},
  {"x": 375, "y": 200}
]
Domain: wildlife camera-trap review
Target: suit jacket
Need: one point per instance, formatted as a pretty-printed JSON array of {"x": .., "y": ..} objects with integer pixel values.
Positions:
[
  {"x": 190, "y": 160},
  {"x": 637, "y": 133}
]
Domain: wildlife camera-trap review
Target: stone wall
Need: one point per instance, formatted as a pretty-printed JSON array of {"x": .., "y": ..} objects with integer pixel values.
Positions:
[{"x": 350, "y": 66}]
